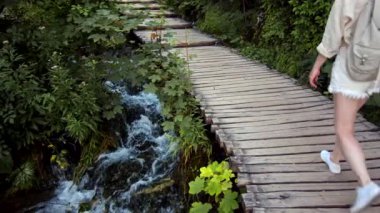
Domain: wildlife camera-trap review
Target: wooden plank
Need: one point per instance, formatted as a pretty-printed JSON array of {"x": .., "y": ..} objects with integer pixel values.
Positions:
[
  {"x": 271, "y": 126},
  {"x": 291, "y": 199},
  {"x": 228, "y": 114},
  {"x": 295, "y": 116},
  {"x": 302, "y": 187},
  {"x": 249, "y": 69},
  {"x": 245, "y": 70},
  {"x": 242, "y": 65},
  {"x": 161, "y": 13},
  {"x": 241, "y": 84},
  {"x": 294, "y": 167},
  {"x": 302, "y": 132},
  {"x": 271, "y": 92},
  {"x": 276, "y": 99},
  {"x": 244, "y": 89},
  {"x": 227, "y": 74},
  {"x": 300, "y": 141},
  {"x": 289, "y": 95},
  {"x": 374, "y": 209},
  {"x": 242, "y": 128},
  {"x": 242, "y": 69},
  {"x": 150, "y": 13},
  {"x": 221, "y": 63},
  {"x": 194, "y": 59},
  {"x": 295, "y": 158},
  {"x": 272, "y": 104},
  {"x": 293, "y": 119},
  {"x": 180, "y": 37},
  {"x": 259, "y": 102},
  {"x": 146, "y": 6},
  {"x": 298, "y": 149},
  {"x": 294, "y": 107},
  {"x": 223, "y": 80},
  {"x": 218, "y": 52},
  {"x": 238, "y": 84},
  {"x": 204, "y": 51},
  {"x": 157, "y": 23}
]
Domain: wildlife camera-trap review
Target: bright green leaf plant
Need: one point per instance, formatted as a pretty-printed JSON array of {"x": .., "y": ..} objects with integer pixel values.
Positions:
[{"x": 214, "y": 181}]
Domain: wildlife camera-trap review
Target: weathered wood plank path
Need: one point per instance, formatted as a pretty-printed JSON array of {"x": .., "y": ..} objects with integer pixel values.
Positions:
[{"x": 272, "y": 128}]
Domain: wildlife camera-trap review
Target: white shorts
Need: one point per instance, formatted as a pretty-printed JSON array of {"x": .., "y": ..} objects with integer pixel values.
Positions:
[{"x": 342, "y": 83}]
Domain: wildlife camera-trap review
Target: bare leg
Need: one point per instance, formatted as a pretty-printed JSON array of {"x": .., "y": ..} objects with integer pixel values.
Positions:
[
  {"x": 345, "y": 115},
  {"x": 337, "y": 153}
]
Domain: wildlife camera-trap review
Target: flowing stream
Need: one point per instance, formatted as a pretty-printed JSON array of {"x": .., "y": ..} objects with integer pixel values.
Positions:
[{"x": 133, "y": 178}]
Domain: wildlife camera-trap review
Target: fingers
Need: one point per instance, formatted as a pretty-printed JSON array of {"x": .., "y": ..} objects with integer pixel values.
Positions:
[
  {"x": 313, "y": 78},
  {"x": 312, "y": 82}
]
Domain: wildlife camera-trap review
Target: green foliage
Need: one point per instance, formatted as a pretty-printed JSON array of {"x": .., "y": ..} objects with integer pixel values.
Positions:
[
  {"x": 215, "y": 181},
  {"x": 53, "y": 74},
  {"x": 228, "y": 25},
  {"x": 20, "y": 116},
  {"x": 311, "y": 16},
  {"x": 59, "y": 157},
  {"x": 103, "y": 25},
  {"x": 198, "y": 207},
  {"x": 190, "y": 8}
]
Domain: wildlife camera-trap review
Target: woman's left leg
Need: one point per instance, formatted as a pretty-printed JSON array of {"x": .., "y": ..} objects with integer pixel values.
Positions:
[
  {"x": 345, "y": 115},
  {"x": 337, "y": 153}
]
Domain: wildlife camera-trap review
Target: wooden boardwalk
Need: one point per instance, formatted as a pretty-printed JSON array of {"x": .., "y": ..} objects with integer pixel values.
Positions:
[{"x": 272, "y": 128}]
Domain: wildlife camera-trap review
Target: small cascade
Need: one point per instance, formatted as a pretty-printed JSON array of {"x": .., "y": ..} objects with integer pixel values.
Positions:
[{"x": 133, "y": 178}]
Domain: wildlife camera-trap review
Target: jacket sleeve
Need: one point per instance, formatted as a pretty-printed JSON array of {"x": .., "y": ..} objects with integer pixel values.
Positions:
[{"x": 337, "y": 27}]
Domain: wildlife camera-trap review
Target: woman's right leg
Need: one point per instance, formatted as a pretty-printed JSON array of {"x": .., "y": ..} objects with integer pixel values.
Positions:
[{"x": 337, "y": 154}]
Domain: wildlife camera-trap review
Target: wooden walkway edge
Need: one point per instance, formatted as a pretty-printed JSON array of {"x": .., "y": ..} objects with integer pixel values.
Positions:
[{"x": 272, "y": 128}]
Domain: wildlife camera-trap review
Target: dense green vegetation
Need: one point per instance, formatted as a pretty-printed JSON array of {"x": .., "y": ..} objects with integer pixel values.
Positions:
[
  {"x": 281, "y": 34},
  {"x": 55, "y": 57},
  {"x": 52, "y": 76}
]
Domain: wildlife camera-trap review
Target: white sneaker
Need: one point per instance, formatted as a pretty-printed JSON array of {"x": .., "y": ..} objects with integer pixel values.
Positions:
[
  {"x": 364, "y": 196},
  {"x": 334, "y": 168}
]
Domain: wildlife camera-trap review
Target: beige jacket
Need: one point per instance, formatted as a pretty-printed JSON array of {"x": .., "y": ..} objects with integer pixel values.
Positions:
[{"x": 340, "y": 26}]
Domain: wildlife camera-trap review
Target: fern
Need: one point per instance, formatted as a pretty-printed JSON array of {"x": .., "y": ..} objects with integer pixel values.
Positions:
[{"x": 23, "y": 177}]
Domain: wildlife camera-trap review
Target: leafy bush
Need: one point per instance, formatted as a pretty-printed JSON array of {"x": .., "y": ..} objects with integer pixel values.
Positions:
[
  {"x": 102, "y": 23},
  {"x": 53, "y": 75},
  {"x": 228, "y": 25}
]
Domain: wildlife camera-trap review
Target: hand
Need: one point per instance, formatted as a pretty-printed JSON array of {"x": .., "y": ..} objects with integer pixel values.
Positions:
[
  {"x": 314, "y": 74},
  {"x": 313, "y": 77}
]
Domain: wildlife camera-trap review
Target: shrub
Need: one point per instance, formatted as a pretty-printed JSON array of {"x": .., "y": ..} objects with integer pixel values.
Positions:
[{"x": 53, "y": 75}]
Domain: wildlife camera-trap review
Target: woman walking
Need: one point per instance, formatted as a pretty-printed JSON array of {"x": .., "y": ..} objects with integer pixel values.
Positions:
[{"x": 349, "y": 93}]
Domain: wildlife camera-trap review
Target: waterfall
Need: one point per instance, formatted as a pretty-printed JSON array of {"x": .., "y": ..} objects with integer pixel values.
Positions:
[{"x": 121, "y": 179}]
